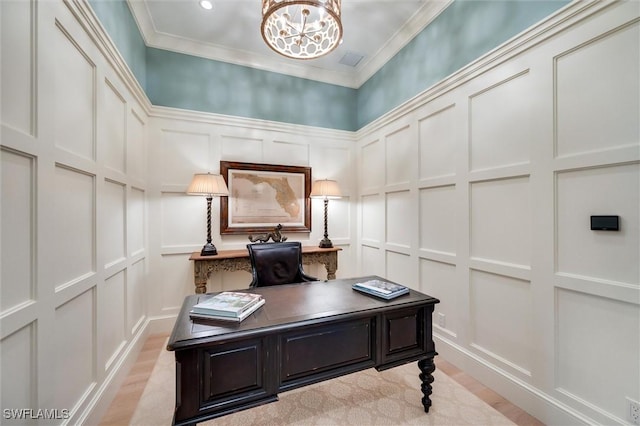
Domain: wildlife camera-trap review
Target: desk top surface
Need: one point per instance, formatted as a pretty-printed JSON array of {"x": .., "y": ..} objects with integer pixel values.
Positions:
[
  {"x": 288, "y": 306},
  {"x": 232, "y": 254}
]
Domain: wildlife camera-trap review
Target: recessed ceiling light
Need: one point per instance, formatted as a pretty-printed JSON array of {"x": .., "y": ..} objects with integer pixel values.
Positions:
[{"x": 206, "y": 4}]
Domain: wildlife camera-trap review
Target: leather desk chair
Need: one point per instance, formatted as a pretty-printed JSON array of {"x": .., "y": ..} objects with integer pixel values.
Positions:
[{"x": 277, "y": 263}]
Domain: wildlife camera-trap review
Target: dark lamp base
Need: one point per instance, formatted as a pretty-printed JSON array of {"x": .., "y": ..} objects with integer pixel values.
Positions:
[
  {"x": 208, "y": 250},
  {"x": 325, "y": 243}
]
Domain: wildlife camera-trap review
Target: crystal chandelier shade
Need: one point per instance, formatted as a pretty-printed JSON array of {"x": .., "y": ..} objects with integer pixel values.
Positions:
[{"x": 301, "y": 29}]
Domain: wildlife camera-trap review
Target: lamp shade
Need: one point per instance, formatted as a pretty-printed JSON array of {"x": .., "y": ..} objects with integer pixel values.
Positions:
[
  {"x": 325, "y": 188},
  {"x": 208, "y": 184}
]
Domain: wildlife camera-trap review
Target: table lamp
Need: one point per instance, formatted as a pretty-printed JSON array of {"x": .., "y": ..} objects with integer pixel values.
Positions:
[
  {"x": 325, "y": 189},
  {"x": 210, "y": 186}
]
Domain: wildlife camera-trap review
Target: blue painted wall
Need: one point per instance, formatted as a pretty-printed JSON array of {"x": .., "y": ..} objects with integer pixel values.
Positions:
[
  {"x": 190, "y": 82},
  {"x": 463, "y": 32},
  {"x": 117, "y": 19}
]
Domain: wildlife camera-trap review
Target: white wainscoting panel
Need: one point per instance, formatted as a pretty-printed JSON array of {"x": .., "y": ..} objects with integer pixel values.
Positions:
[
  {"x": 501, "y": 221},
  {"x": 184, "y": 219},
  {"x": 592, "y": 80},
  {"x": 17, "y": 361},
  {"x": 242, "y": 149},
  {"x": 287, "y": 153},
  {"x": 135, "y": 295},
  {"x": 400, "y": 269},
  {"x": 501, "y": 320},
  {"x": 438, "y": 219},
  {"x": 113, "y": 224},
  {"x": 513, "y": 153},
  {"x": 401, "y": 220},
  {"x": 333, "y": 163},
  {"x": 372, "y": 218},
  {"x": 437, "y": 136},
  {"x": 73, "y": 360},
  {"x": 177, "y": 281},
  {"x": 372, "y": 166},
  {"x": 183, "y": 154},
  {"x": 74, "y": 245},
  {"x": 112, "y": 141},
  {"x": 74, "y": 80},
  {"x": 18, "y": 195},
  {"x": 501, "y": 123},
  {"x": 591, "y": 330},
  {"x": 400, "y": 149},
  {"x": 136, "y": 146},
  {"x": 136, "y": 223},
  {"x": 17, "y": 38},
  {"x": 606, "y": 255},
  {"x": 438, "y": 279},
  {"x": 113, "y": 316},
  {"x": 73, "y": 122},
  {"x": 372, "y": 259}
]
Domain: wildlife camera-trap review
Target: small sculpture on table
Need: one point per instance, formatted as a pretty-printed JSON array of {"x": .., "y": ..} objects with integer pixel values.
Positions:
[{"x": 276, "y": 236}]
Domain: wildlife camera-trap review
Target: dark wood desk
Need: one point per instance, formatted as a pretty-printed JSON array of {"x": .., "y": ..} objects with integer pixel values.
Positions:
[
  {"x": 238, "y": 260},
  {"x": 305, "y": 333}
]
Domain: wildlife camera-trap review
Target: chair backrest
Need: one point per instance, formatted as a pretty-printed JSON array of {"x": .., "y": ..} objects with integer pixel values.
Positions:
[{"x": 277, "y": 263}]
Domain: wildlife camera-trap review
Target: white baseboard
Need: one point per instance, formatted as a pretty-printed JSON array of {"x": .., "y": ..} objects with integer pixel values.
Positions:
[
  {"x": 542, "y": 406},
  {"x": 101, "y": 401}
]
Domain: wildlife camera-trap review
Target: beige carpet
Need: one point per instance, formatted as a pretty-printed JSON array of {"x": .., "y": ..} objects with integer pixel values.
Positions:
[{"x": 369, "y": 397}]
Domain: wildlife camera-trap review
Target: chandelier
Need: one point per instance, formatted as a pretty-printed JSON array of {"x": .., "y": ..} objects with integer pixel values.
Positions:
[{"x": 301, "y": 29}]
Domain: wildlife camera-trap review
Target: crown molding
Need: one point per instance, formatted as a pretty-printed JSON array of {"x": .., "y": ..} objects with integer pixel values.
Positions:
[
  {"x": 353, "y": 78},
  {"x": 418, "y": 22}
]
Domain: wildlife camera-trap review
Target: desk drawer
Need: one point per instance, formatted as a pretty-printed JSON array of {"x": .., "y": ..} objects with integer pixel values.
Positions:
[
  {"x": 403, "y": 334},
  {"x": 333, "y": 350}
]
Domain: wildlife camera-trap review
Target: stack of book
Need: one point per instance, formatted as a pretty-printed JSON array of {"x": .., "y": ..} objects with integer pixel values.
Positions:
[
  {"x": 380, "y": 288},
  {"x": 227, "y": 306}
]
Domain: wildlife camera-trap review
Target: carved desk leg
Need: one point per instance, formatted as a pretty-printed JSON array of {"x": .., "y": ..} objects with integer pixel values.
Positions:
[
  {"x": 201, "y": 272},
  {"x": 427, "y": 367}
]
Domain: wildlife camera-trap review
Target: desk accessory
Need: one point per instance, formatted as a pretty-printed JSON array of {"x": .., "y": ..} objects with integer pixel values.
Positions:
[
  {"x": 244, "y": 314},
  {"x": 379, "y": 288},
  {"x": 227, "y": 304}
]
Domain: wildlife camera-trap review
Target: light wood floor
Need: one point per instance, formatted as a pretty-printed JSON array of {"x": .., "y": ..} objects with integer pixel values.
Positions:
[{"x": 124, "y": 404}]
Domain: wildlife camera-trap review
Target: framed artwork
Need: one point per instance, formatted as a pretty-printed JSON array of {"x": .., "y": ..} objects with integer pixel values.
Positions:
[{"x": 261, "y": 196}]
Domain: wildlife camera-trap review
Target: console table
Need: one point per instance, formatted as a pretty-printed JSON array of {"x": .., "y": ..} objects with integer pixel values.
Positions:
[
  {"x": 304, "y": 333},
  {"x": 238, "y": 260}
]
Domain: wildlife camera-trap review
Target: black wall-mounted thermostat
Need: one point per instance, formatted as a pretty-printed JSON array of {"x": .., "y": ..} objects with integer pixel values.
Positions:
[{"x": 605, "y": 223}]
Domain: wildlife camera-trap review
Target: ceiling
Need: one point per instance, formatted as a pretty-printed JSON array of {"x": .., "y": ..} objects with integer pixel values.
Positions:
[{"x": 230, "y": 32}]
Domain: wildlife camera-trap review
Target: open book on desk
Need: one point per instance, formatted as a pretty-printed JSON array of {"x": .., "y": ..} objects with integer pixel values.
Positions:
[{"x": 383, "y": 289}]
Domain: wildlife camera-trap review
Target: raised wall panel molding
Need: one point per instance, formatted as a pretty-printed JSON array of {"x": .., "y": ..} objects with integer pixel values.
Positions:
[
  {"x": 74, "y": 77},
  {"x": 19, "y": 88},
  {"x": 89, "y": 21},
  {"x": 247, "y": 124},
  {"x": 615, "y": 290},
  {"x": 521, "y": 272},
  {"x": 19, "y": 229},
  {"x": 609, "y": 83}
]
